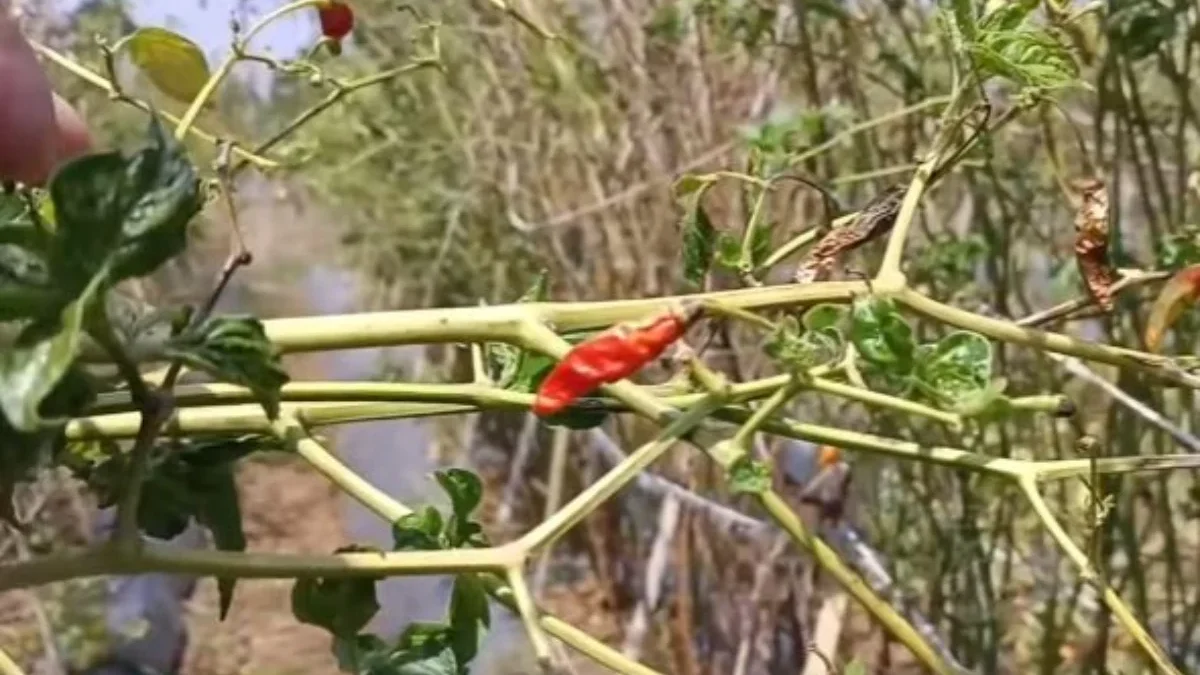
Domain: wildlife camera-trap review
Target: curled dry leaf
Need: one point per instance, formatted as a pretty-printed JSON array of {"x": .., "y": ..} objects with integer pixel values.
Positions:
[
  {"x": 875, "y": 219},
  {"x": 1182, "y": 290},
  {"x": 1091, "y": 242}
]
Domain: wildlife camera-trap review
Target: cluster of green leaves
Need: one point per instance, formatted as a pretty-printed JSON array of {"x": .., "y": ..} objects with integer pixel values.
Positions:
[
  {"x": 344, "y": 607},
  {"x": 1007, "y": 43},
  {"x": 106, "y": 218},
  {"x": 953, "y": 373},
  {"x": 186, "y": 479}
]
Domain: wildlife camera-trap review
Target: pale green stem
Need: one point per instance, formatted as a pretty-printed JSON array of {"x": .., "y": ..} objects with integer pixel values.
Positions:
[
  {"x": 1120, "y": 611},
  {"x": 289, "y": 430},
  {"x": 529, "y": 615},
  {"x": 831, "y": 562},
  {"x": 8, "y": 666},
  {"x": 153, "y": 557},
  {"x": 773, "y": 404},
  {"x": 619, "y": 476},
  {"x": 1071, "y": 468},
  {"x": 747, "y": 264},
  {"x": 1007, "y": 331},
  {"x": 879, "y": 400},
  {"x": 795, "y": 244},
  {"x": 226, "y": 67},
  {"x": 95, "y": 79}
]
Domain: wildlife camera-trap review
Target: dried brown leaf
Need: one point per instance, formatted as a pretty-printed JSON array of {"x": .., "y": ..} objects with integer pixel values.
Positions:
[
  {"x": 1091, "y": 242},
  {"x": 874, "y": 220}
]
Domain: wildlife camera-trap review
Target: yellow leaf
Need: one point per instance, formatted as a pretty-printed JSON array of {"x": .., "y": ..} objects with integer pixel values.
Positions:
[
  {"x": 1183, "y": 289},
  {"x": 171, "y": 61}
]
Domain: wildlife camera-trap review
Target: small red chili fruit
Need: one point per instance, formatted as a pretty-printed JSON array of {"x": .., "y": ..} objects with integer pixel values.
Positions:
[{"x": 337, "y": 19}]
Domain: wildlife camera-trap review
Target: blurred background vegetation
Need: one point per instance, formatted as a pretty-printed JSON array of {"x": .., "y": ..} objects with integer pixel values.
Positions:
[{"x": 458, "y": 186}]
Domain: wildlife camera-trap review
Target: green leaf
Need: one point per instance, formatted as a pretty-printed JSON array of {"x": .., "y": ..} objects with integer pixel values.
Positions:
[
  {"x": 699, "y": 238},
  {"x": 27, "y": 289},
  {"x": 729, "y": 251},
  {"x": 464, "y": 488},
  {"x": 420, "y": 530},
  {"x": 825, "y": 316},
  {"x": 957, "y": 367},
  {"x": 760, "y": 245},
  {"x": 171, "y": 61},
  {"x": 424, "y": 649},
  {"x": 749, "y": 476},
  {"x": 577, "y": 417},
  {"x": 33, "y": 367},
  {"x": 125, "y": 215},
  {"x": 218, "y": 510},
  {"x": 504, "y": 361},
  {"x": 881, "y": 336},
  {"x": 1008, "y": 15},
  {"x": 360, "y": 653},
  {"x": 470, "y": 617},
  {"x": 341, "y": 606},
  {"x": 964, "y": 18},
  {"x": 802, "y": 351},
  {"x": 690, "y": 183},
  {"x": 855, "y": 667},
  {"x": 234, "y": 349}
]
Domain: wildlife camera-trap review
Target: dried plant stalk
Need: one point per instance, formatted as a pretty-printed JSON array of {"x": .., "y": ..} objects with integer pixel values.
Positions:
[{"x": 1091, "y": 242}]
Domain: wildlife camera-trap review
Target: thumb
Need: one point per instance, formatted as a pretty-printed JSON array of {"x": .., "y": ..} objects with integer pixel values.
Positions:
[{"x": 37, "y": 129}]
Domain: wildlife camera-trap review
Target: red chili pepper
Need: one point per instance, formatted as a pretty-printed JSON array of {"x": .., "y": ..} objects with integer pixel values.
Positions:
[
  {"x": 608, "y": 357},
  {"x": 337, "y": 19}
]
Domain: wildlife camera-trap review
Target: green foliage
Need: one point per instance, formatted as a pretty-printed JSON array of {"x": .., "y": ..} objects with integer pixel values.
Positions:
[
  {"x": 345, "y": 607},
  {"x": 234, "y": 349},
  {"x": 954, "y": 372},
  {"x": 426, "y": 528},
  {"x": 803, "y": 348},
  {"x": 1139, "y": 28},
  {"x": 699, "y": 235},
  {"x": 1006, "y": 44},
  {"x": 341, "y": 606},
  {"x": 749, "y": 476},
  {"x": 190, "y": 478}
]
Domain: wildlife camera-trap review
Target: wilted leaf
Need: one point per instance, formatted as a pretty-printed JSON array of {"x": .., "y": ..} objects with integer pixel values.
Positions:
[
  {"x": 234, "y": 349},
  {"x": 1182, "y": 290},
  {"x": 875, "y": 219},
  {"x": 1091, "y": 243},
  {"x": 175, "y": 64}
]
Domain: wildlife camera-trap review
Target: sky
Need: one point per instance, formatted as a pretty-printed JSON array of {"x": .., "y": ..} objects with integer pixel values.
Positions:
[{"x": 207, "y": 23}]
